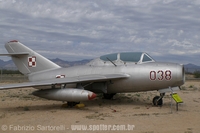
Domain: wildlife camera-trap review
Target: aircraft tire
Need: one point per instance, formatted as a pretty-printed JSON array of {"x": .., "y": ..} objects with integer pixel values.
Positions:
[
  {"x": 72, "y": 104},
  {"x": 157, "y": 102}
]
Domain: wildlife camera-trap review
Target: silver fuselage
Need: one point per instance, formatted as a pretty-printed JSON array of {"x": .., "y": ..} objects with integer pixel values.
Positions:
[{"x": 142, "y": 77}]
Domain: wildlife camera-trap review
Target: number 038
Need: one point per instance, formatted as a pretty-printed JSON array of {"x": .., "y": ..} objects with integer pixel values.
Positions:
[{"x": 161, "y": 75}]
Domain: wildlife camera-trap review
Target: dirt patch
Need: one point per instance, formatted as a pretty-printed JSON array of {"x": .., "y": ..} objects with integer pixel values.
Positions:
[{"x": 20, "y": 108}]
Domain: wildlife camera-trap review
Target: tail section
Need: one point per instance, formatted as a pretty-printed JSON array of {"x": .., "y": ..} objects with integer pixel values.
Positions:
[{"x": 27, "y": 60}]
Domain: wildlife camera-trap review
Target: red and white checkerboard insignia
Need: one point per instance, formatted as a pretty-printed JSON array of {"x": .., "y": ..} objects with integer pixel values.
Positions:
[
  {"x": 32, "y": 61},
  {"x": 60, "y": 76}
]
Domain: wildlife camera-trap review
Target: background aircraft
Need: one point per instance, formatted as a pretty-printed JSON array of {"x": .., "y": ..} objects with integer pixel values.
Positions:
[{"x": 108, "y": 74}]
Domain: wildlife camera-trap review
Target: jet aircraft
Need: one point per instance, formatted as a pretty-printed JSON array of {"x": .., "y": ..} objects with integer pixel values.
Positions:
[{"x": 109, "y": 74}]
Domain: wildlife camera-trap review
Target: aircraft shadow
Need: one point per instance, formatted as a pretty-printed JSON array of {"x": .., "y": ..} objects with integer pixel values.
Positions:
[{"x": 118, "y": 100}]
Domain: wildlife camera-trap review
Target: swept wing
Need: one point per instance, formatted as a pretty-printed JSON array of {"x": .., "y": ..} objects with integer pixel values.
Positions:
[{"x": 67, "y": 80}]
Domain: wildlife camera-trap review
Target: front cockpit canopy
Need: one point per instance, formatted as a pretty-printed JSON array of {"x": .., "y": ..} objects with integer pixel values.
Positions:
[
  {"x": 136, "y": 57},
  {"x": 122, "y": 58}
]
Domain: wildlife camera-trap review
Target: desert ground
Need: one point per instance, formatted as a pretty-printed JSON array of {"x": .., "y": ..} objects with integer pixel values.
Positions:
[{"x": 22, "y": 112}]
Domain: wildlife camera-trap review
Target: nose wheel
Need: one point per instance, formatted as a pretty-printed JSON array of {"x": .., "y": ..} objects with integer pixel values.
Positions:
[{"x": 157, "y": 100}]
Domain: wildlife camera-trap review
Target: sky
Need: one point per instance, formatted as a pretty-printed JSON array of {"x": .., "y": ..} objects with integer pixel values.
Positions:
[{"x": 168, "y": 30}]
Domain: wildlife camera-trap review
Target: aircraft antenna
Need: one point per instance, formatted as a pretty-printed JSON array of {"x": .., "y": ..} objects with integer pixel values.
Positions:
[{"x": 112, "y": 62}]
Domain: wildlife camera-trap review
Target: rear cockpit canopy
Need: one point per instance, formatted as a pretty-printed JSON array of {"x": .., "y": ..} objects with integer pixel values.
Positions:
[{"x": 125, "y": 58}]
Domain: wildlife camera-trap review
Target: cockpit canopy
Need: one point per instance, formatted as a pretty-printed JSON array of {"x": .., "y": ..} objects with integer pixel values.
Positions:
[
  {"x": 128, "y": 57},
  {"x": 125, "y": 58}
]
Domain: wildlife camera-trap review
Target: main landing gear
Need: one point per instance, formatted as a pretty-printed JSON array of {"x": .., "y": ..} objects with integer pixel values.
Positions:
[
  {"x": 157, "y": 100},
  {"x": 72, "y": 104},
  {"x": 108, "y": 96}
]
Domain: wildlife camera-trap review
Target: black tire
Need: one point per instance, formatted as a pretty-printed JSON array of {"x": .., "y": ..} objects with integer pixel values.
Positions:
[
  {"x": 157, "y": 102},
  {"x": 108, "y": 96},
  {"x": 72, "y": 104}
]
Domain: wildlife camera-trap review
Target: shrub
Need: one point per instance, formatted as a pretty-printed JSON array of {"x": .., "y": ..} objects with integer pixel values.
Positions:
[
  {"x": 5, "y": 71},
  {"x": 197, "y": 74}
]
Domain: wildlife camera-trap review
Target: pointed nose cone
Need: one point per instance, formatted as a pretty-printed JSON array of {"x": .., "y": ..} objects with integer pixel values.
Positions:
[{"x": 91, "y": 96}]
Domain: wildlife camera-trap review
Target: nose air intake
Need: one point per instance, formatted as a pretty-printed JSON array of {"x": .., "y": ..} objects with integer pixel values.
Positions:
[{"x": 180, "y": 75}]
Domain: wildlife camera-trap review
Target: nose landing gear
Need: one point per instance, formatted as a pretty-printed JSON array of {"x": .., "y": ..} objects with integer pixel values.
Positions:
[{"x": 157, "y": 100}]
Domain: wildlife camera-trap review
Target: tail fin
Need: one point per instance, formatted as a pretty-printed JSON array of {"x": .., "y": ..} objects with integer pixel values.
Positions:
[{"x": 27, "y": 60}]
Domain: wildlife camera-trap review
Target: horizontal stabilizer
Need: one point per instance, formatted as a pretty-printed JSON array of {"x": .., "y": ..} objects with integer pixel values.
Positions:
[{"x": 15, "y": 54}]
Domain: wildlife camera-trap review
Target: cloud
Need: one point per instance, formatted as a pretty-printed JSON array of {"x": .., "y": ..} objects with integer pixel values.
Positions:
[{"x": 74, "y": 30}]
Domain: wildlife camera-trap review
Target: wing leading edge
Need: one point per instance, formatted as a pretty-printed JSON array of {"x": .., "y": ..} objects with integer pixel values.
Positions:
[{"x": 67, "y": 80}]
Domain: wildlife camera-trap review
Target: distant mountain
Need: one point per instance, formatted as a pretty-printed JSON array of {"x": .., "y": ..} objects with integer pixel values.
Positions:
[
  {"x": 10, "y": 65},
  {"x": 190, "y": 68},
  {"x": 7, "y": 64},
  {"x": 63, "y": 63}
]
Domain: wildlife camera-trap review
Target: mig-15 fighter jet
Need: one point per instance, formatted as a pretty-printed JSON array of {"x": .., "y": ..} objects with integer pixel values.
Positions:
[{"x": 108, "y": 74}]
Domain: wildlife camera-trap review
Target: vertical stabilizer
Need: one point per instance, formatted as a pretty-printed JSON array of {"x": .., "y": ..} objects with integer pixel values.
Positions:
[{"x": 27, "y": 60}]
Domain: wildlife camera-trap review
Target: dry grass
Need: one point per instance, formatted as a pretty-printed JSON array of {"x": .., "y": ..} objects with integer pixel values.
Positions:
[{"x": 18, "y": 107}]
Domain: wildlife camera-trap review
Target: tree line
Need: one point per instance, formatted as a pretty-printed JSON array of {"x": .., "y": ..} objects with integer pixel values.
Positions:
[{"x": 5, "y": 71}]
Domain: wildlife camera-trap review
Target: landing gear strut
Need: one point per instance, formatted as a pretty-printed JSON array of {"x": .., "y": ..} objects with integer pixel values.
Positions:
[{"x": 157, "y": 100}]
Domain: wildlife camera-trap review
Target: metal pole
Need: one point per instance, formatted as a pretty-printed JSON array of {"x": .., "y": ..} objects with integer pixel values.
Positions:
[
  {"x": 171, "y": 102},
  {"x": 171, "y": 98}
]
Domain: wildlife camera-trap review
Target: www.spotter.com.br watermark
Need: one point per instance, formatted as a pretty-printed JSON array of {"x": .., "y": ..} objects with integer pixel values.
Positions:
[{"x": 98, "y": 127}]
